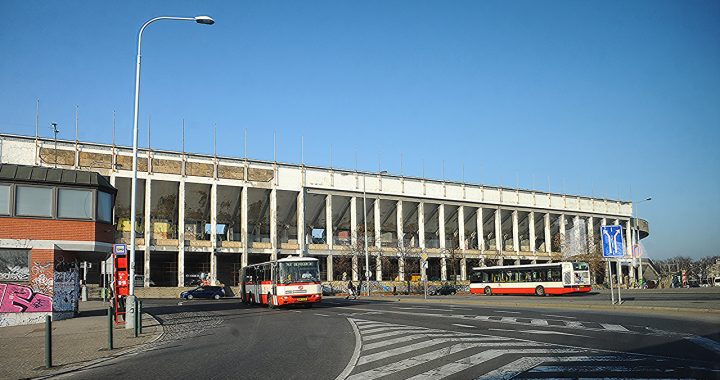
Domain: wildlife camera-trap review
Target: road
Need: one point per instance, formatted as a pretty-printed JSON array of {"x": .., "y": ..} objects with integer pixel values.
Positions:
[{"x": 453, "y": 338}]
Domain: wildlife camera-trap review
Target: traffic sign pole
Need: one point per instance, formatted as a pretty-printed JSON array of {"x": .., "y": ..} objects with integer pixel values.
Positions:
[{"x": 610, "y": 275}]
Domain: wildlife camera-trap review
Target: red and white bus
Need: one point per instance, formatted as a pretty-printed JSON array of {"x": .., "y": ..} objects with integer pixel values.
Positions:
[
  {"x": 292, "y": 280},
  {"x": 538, "y": 279}
]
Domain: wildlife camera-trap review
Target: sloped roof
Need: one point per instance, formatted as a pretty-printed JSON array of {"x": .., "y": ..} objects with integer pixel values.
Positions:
[{"x": 54, "y": 176}]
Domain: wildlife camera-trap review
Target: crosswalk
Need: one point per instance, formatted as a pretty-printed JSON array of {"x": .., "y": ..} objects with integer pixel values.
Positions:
[{"x": 395, "y": 351}]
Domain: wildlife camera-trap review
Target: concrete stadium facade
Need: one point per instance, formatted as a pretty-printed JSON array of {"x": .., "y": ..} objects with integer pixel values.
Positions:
[{"x": 206, "y": 214}]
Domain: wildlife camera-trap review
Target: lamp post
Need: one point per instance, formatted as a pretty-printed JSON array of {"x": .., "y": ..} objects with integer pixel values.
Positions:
[
  {"x": 206, "y": 20},
  {"x": 636, "y": 238}
]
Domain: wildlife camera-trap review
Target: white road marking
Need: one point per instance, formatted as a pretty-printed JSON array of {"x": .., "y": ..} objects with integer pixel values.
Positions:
[
  {"x": 428, "y": 343},
  {"x": 417, "y": 330},
  {"x": 503, "y": 311},
  {"x": 407, "y": 338},
  {"x": 521, "y": 365},
  {"x": 611, "y": 327},
  {"x": 559, "y": 316},
  {"x": 356, "y": 352},
  {"x": 508, "y": 320},
  {"x": 501, "y": 330},
  {"x": 573, "y": 324},
  {"x": 322, "y": 315},
  {"x": 549, "y": 332},
  {"x": 539, "y": 322},
  {"x": 471, "y": 361},
  {"x": 461, "y": 325},
  {"x": 425, "y": 309},
  {"x": 705, "y": 342}
]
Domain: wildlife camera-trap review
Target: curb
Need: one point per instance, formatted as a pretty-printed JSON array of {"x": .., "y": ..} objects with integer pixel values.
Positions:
[
  {"x": 550, "y": 305},
  {"x": 115, "y": 355}
]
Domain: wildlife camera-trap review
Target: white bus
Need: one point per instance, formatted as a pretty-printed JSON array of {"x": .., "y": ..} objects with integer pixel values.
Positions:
[
  {"x": 292, "y": 280},
  {"x": 538, "y": 279}
]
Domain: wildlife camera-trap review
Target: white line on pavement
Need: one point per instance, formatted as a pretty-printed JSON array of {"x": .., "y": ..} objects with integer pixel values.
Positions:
[
  {"x": 559, "y": 316},
  {"x": 322, "y": 315},
  {"x": 611, "y": 327},
  {"x": 516, "y": 367},
  {"x": 705, "y": 342},
  {"x": 461, "y": 325},
  {"x": 503, "y": 311},
  {"x": 501, "y": 330}
]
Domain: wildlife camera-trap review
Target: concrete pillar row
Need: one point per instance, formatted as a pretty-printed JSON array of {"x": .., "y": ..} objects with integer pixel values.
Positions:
[
  {"x": 591, "y": 235},
  {"x": 244, "y": 225},
  {"x": 378, "y": 267},
  {"x": 329, "y": 221},
  {"x": 515, "y": 231},
  {"x": 463, "y": 269},
  {"x": 498, "y": 232},
  {"x": 213, "y": 234},
  {"x": 148, "y": 232},
  {"x": 443, "y": 268},
  {"x": 401, "y": 239},
  {"x": 355, "y": 268}
]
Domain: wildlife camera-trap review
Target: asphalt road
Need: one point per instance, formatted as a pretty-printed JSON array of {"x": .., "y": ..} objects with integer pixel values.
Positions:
[{"x": 358, "y": 339}]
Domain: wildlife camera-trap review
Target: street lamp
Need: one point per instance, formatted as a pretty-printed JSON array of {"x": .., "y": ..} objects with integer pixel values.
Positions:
[{"x": 130, "y": 309}]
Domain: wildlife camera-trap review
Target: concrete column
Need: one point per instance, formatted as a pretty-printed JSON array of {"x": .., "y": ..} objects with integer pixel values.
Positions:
[
  {"x": 181, "y": 234},
  {"x": 441, "y": 225},
  {"x": 590, "y": 235},
  {"x": 576, "y": 231},
  {"x": 148, "y": 232},
  {"x": 213, "y": 234},
  {"x": 461, "y": 228},
  {"x": 515, "y": 231},
  {"x": 244, "y": 225},
  {"x": 421, "y": 225},
  {"x": 378, "y": 267},
  {"x": 498, "y": 232},
  {"x": 329, "y": 221},
  {"x": 353, "y": 221},
  {"x": 401, "y": 269},
  {"x": 355, "y": 268},
  {"x": 378, "y": 231},
  {"x": 618, "y": 265},
  {"x": 548, "y": 233},
  {"x": 399, "y": 223},
  {"x": 480, "y": 231},
  {"x": 273, "y": 224},
  {"x": 463, "y": 269},
  {"x": 443, "y": 268},
  {"x": 301, "y": 221},
  {"x": 329, "y": 261},
  {"x": 562, "y": 233},
  {"x": 531, "y": 231}
]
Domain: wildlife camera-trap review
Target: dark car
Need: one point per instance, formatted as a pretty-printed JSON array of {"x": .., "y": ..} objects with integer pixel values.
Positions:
[
  {"x": 214, "y": 292},
  {"x": 444, "y": 290}
]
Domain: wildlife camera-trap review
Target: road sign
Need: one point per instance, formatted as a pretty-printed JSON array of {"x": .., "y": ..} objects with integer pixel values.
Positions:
[
  {"x": 120, "y": 249},
  {"x": 424, "y": 256},
  {"x": 636, "y": 250},
  {"x": 612, "y": 241}
]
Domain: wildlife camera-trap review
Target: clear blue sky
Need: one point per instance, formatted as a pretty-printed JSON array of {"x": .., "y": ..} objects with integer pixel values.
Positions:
[{"x": 617, "y": 99}]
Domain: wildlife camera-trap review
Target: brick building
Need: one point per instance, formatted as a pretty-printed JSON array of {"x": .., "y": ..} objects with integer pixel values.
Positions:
[{"x": 50, "y": 221}]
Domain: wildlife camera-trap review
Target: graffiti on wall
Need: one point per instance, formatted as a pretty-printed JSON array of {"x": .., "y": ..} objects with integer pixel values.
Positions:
[
  {"x": 14, "y": 265},
  {"x": 42, "y": 279},
  {"x": 66, "y": 290},
  {"x": 22, "y": 299}
]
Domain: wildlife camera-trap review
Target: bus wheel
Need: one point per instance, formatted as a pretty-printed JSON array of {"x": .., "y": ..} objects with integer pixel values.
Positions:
[
  {"x": 540, "y": 291},
  {"x": 271, "y": 305},
  {"x": 488, "y": 291}
]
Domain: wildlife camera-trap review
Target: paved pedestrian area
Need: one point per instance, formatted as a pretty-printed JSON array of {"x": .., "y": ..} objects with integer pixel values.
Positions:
[
  {"x": 397, "y": 351},
  {"x": 76, "y": 341}
]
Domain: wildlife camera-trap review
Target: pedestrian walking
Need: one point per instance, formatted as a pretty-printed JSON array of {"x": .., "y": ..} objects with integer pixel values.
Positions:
[{"x": 352, "y": 290}]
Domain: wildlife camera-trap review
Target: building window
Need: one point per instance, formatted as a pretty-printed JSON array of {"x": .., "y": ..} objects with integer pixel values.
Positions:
[
  {"x": 33, "y": 201},
  {"x": 14, "y": 265},
  {"x": 4, "y": 199},
  {"x": 104, "y": 207},
  {"x": 76, "y": 204}
]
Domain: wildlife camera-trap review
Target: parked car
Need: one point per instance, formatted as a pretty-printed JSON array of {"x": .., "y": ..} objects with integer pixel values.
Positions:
[
  {"x": 444, "y": 290},
  {"x": 214, "y": 292}
]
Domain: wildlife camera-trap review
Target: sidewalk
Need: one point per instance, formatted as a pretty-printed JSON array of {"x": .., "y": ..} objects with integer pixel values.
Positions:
[{"x": 75, "y": 341}]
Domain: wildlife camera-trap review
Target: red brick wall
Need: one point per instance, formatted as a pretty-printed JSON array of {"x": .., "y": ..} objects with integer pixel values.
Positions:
[
  {"x": 42, "y": 270},
  {"x": 52, "y": 229}
]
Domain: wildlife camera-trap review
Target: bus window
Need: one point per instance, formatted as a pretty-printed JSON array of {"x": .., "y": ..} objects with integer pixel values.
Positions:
[
  {"x": 580, "y": 266},
  {"x": 485, "y": 276}
]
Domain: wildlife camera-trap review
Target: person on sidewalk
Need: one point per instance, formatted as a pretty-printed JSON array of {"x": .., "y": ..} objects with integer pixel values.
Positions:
[{"x": 352, "y": 290}]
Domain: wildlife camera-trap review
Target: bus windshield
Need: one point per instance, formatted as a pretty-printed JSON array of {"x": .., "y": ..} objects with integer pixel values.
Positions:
[
  {"x": 580, "y": 266},
  {"x": 299, "y": 271}
]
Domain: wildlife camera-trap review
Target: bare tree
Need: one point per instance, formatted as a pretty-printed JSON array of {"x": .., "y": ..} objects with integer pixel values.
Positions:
[
  {"x": 356, "y": 253},
  {"x": 410, "y": 257}
]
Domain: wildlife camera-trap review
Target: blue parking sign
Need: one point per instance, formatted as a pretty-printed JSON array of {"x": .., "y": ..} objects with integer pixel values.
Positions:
[{"x": 612, "y": 241}]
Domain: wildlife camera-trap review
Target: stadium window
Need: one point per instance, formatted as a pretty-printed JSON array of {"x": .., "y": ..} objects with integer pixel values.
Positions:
[{"x": 4, "y": 199}]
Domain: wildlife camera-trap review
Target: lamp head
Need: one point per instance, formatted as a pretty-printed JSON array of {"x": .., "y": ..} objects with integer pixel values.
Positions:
[{"x": 207, "y": 20}]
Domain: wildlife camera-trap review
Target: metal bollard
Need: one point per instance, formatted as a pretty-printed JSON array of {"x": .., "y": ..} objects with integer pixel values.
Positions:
[
  {"x": 48, "y": 341},
  {"x": 110, "y": 327},
  {"x": 136, "y": 329},
  {"x": 139, "y": 313}
]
